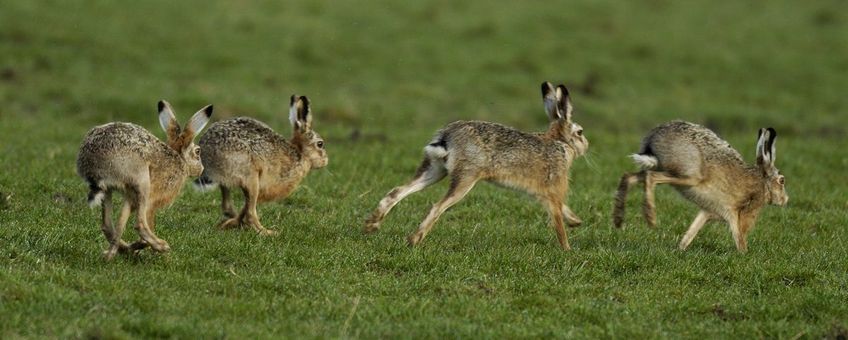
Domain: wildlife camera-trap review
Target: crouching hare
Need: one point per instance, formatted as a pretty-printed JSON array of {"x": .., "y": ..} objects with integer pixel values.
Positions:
[
  {"x": 470, "y": 151},
  {"x": 246, "y": 154},
  {"x": 127, "y": 158},
  {"x": 709, "y": 172}
]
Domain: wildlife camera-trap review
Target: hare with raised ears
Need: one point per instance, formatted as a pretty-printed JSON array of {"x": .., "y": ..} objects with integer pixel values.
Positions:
[
  {"x": 470, "y": 151},
  {"x": 709, "y": 172},
  {"x": 127, "y": 158},
  {"x": 247, "y": 154}
]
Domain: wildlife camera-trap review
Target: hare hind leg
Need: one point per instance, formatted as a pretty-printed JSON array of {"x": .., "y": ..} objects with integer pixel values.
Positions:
[
  {"x": 143, "y": 210},
  {"x": 428, "y": 173},
  {"x": 627, "y": 181},
  {"x": 116, "y": 244},
  {"x": 460, "y": 186},
  {"x": 652, "y": 178}
]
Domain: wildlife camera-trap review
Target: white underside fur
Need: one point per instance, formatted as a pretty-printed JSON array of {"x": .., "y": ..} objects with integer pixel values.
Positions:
[{"x": 646, "y": 162}]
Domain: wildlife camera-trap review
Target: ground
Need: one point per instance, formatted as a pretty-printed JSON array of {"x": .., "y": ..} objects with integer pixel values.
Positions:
[{"x": 382, "y": 78}]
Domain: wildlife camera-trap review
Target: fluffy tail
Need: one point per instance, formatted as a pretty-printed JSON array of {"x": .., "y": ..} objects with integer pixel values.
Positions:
[
  {"x": 204, "y": 184},
  {"x": 438, "y": 148},
  {"x": 96, "y": 193},
  {"x": 646, "y": 162}
]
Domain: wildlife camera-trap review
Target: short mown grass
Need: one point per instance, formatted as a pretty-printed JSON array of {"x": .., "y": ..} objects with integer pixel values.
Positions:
[{"x": 383, "y": 77}]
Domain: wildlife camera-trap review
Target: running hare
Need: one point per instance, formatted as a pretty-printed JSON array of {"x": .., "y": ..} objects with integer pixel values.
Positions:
[
  {"x": 247, "y": 154},
  {"x": 708, "y": 172},
  {"x": 150, "y": 174},
  {"x": 470, "y": 151}
]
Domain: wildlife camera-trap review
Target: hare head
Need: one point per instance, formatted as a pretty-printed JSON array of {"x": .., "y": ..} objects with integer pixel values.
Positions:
[
  {"x": 775, "y": 183},
  {"x": 559, "y": 109},
  {"x": 310, "y": 143},
  {"x": 182, "y": 139}
]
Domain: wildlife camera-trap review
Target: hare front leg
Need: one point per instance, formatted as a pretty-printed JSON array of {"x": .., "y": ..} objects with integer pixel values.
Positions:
[
  {"x": 249, "y": 214},
  {"x": 460, "y": 186},
  {"x": 555, "y": 209},
  {"x": 697, "y": 224},
  {"x": 227, "y": 203},
  {"x": 740, "y": 225},
  {"x": 143, "y": 207},
  {"x": 427, "y": 174}
]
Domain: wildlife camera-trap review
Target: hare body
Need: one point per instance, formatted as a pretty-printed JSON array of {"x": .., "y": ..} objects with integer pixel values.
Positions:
[
  {"x": 246, "y": 154},
  {"x": 149, "y": 173},
  {"x": 470, "y": 151},
  {"x": 707, "y": 171}
]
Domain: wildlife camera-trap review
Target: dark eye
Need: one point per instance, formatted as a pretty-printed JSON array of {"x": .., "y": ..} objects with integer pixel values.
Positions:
[
  {"x": 320, "y": 144},
  {"x": 579, "y": 132},
  {"x": 782, "y": 180},
  {"x": 197, "y": 152}
]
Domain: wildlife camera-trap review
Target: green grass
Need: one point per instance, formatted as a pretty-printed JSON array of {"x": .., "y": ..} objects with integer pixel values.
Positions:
[{"x": 382, "y": 78}]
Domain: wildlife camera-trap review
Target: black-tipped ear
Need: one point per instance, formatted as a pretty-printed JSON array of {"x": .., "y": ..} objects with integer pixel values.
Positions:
[
  {"x": 160, "y": 106},
  {"x": 208, "y": 111},
  {"x": 304, "y": 112},
  {"x": 770, "y": 142},
  {"x": 293, "y": 99},
  {"x": 564, "y": 102},
  {"x": 547, "y": 88}
]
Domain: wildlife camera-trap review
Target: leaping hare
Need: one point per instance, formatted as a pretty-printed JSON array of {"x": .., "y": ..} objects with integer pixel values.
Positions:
[
  {"x": 470, "y": 151},
  {"x": 709, "y": 172},
  {"x": 127, "y": 158},
  {"x": 247, "y": 154}
]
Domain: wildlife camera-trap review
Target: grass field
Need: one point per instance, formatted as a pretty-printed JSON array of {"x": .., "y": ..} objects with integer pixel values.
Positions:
[{"x": 383, "y": 76}]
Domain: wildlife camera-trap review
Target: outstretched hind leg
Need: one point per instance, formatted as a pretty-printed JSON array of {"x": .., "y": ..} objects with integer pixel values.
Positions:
[
  {"x": 556, "y": 209},
  {"x": 428, "y": 173},
  {"x": 460, "y": 186},
  {"x": 627, "y": 181},
  {"x": 700, "y": 220},
  {"x": 652, "y": 178}
]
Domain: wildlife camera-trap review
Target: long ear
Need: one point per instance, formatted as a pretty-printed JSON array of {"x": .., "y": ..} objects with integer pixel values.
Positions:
[
  {"x": 765, "y": 147},
  {"x": 300, "y": 114},
  {"x": 549, "y": 97},
  {"x": 167, "y": 120},
  {"x": 770, "y": 146},
  {"x": 198, "y": 121},
  {"x": 564, "y": 102}
]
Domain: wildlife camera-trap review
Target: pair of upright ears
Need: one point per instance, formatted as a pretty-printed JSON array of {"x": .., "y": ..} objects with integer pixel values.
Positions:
[
  {"x": 176, "y": 134},
  {"x": 557, "y": 102}
]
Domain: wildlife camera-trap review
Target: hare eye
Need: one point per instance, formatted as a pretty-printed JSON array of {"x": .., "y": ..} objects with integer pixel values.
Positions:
[
  {"x": 197, "y": 152},
  {"x": 782, "y": 180},
  {"x": 320, "y": 144},
  {"x": 579, "y": 132}
]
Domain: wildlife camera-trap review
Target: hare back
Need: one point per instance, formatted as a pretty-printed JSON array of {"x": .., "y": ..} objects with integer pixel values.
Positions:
[
  {"x": 503, "y": 154},
  {"x": 689, "y": 150},
  {"x": 116, "y": 152},
  {"x": 234, "y": 149}
]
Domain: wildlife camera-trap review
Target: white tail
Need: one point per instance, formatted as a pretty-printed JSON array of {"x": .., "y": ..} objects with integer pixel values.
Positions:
[{"x": 644, "y": 161}]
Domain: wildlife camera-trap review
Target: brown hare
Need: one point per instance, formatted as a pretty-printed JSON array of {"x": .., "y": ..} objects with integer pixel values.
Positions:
[
  {"x": 127, "y": 158},
  {"x": 247, "y": 154},
  {"x": 470, "y": 151},
  {"x": 709, "y": 172}
]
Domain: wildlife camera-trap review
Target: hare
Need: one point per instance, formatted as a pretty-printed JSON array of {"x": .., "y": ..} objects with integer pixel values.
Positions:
[
  {"x": 247, "y": 154},
  {"x": 709, "y": 172},
  {"x": 127, "y": 158},
  {"x": 470, "y": 151}
]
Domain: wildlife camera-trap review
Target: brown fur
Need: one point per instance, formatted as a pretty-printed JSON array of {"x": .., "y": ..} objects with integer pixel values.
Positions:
[
  {"x": 470, "y": 151},
  {"x": 707, "y": 171},
  {"x": 247, "y": 154},
  {"x": 127, "y": 158}
]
